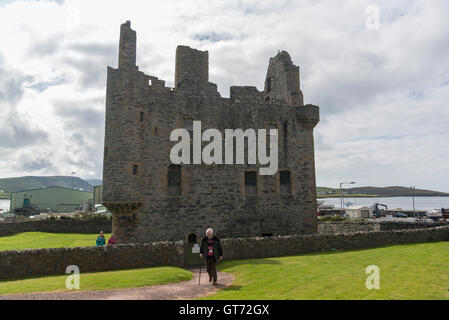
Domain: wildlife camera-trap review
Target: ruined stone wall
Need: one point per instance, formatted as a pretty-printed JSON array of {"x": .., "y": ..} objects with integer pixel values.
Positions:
[
  {"x": 16, "y": 264},
  {"x": 57, "y": 226},
  {"x": 139, "y": 120}
]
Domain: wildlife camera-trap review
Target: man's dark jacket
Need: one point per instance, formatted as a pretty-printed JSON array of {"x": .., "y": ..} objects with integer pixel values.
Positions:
[{"x": 218, "y": 250}]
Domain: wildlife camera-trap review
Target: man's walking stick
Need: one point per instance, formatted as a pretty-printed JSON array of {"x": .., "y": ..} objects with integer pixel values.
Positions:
[{"x": 199, "y": 279}]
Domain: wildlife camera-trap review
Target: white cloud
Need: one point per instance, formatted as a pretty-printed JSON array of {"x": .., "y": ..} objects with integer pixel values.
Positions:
[{"x": 382, "y": 92}]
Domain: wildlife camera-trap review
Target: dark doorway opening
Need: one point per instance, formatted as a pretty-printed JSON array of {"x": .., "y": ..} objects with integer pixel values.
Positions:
[
  {"x": 266, "y": 235},
  {"x": 191, "y": 238}
]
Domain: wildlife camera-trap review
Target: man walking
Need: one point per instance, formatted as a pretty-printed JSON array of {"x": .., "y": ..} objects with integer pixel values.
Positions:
[{"x": 213, "y": 252}]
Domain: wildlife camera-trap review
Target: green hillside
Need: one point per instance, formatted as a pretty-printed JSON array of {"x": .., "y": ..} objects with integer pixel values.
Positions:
[
  {"x": 95, "y": 182},
  {"x": 325, "y": 192},
  {"x": 26, "y": 183}
]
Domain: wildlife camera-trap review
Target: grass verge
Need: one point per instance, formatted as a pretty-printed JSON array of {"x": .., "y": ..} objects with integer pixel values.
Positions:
[
  {"x": 417, "y": 271},
  {"x": 99, "y": 280},
  {"x": 41, "y": 240}
]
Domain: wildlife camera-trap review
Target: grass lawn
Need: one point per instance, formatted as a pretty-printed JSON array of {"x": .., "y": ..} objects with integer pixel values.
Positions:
[
  {"x": 99, "y": 280},
  {"x": 40, "y": 240},
  {"x": 417, "y": 271}
]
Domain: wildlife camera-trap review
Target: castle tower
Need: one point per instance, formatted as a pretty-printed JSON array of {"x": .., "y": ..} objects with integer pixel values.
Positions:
[
  {"x": 127, "y": 51},
  {"x": 192, "y": 67},
  {"x": 282, "y": 81}
]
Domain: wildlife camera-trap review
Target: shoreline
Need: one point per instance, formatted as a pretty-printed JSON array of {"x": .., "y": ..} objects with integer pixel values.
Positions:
[{"x": 403, "y": 196}]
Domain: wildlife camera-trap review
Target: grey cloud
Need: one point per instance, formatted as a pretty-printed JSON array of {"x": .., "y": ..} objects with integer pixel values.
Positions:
[
  {"x": 76, "y": 114},
  {"x": 47, "y": 46},
  {"x": 37, "y": 164},
  {"x": 11, "y": 83},
  {"x": 15, "y": 131},
  {"x": 92, "y": 65},
  {"x": 94, "y": 49},
  {"x": 16, "y": 134}
]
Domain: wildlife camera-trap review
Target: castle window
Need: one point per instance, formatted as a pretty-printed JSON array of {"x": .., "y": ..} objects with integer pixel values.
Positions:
[
  {"x": 135, "y": 170},
  {"x": 251, "y": 182},
  {"x": 174, "y": 180},
  {"x": 285, "y": 182},
  {"x": 141, "y": 116}
]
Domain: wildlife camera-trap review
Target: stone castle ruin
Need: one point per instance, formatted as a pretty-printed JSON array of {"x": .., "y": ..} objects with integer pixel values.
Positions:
[{"x": 153, "y": 200}]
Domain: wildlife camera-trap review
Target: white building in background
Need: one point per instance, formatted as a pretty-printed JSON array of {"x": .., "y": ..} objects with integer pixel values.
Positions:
[{"x": 354, "y": 212}]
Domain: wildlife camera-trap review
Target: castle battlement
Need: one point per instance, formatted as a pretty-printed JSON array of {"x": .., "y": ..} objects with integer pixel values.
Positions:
[{"x": 282, "y": 83}]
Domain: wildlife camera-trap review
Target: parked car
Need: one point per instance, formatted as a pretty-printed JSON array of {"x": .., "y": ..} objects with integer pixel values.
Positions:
[{"x": 401, "y": 215}]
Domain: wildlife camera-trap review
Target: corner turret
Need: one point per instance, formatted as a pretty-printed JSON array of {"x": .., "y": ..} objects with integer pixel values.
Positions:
[{"x": 282, "y": 81}]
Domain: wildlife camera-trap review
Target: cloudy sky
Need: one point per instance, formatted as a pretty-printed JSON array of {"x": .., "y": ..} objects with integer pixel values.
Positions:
[{"x": 383, "y": 92}]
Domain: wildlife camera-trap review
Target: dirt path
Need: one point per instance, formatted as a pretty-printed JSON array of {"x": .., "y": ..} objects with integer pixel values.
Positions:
[{"x": 185, "y": 290}]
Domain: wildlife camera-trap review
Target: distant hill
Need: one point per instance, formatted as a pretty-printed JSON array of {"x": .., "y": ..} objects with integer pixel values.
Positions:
[
  {"x": 379, "y": 192},
  {"x": 397, "y": 192},
  {"x": 27, "y": 183},
  {"x": 95, "y": 182}
]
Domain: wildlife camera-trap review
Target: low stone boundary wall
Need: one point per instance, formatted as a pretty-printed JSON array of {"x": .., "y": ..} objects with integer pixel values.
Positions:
[
  {"x": 57, "y": 226},
  {"x": 397, "y": 225},
  {"x": 335, "y": 227},
  {"x": 292, "y": 245},
  {"x": 17, "y": 264}
]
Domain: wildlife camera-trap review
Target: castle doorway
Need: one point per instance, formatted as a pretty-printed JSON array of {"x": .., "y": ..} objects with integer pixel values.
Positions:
[{"x": 192, "y": 252}]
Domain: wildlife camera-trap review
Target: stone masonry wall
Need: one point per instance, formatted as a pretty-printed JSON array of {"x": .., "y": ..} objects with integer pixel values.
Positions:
[
  {"x": 292, "y": 245},
  {"x": 141, "y": 113},
  {"x": 57, "y": 226},
  {"x": 16, "y": 264},
  {"x": 336, "y": 227}
]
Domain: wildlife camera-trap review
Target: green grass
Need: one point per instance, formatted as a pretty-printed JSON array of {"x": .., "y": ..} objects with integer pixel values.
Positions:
[
  {"x": 418, "y": 271},
  {"x": 99, "y": 280},
  {"x": 40, "y": 240}
]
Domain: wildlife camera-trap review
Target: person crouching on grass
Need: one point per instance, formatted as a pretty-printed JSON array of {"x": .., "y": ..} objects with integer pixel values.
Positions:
[
  {"x": 101, "y": 241},
  {"x": 212, "y": 250},
  {"x": 112, "y": 240}
]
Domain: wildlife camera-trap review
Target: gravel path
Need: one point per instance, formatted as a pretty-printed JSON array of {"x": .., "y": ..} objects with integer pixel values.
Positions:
[{"x": 185, "y": 290}]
